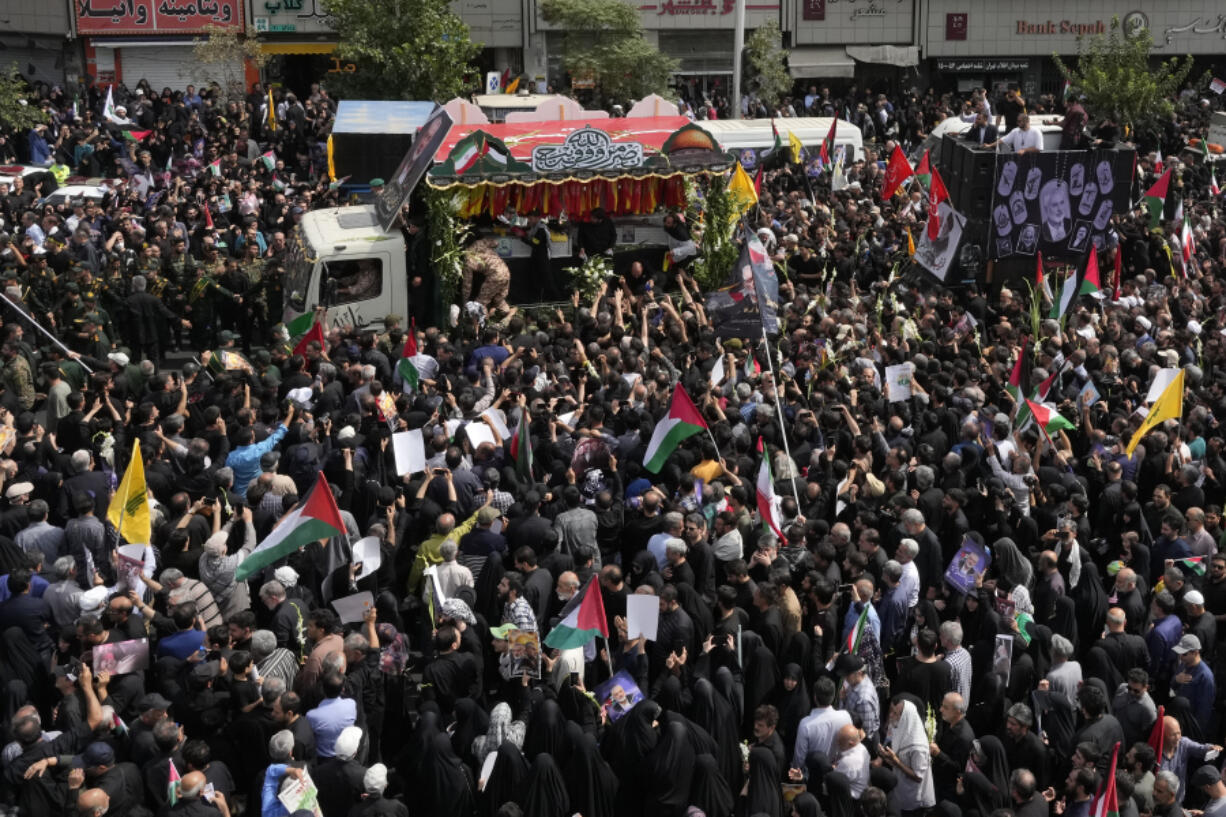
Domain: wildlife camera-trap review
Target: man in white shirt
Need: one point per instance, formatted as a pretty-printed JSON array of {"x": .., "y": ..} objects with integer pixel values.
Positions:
[
  {"x": 815, "y": 735},
  {"x": 1022, "y": 139},
  {"x": 852, "y": 760}
]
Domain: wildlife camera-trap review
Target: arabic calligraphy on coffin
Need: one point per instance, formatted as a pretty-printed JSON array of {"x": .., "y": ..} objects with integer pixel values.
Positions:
[{"x": 587, "y": 149}]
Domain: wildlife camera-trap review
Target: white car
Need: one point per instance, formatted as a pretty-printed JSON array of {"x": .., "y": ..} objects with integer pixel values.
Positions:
[{"x": 90, "y": 192}]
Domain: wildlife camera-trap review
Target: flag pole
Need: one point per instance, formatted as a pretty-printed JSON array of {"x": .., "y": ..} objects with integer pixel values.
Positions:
[
  {"x": 40, "y": 328},
  {"x": 608, "y": 654},
  {"x": 783, "y": 428}
]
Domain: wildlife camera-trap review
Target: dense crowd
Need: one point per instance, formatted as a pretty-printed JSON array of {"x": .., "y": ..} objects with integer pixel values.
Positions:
[{"x": 827, "y": 666}]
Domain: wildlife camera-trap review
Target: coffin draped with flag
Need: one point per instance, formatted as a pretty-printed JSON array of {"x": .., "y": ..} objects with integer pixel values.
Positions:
[
  {"x": 316, "y": 517},
  {"x": 582, "y": 619}
]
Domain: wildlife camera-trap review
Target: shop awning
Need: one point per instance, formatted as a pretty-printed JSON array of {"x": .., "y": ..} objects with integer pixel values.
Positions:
[
  {"x": 297, "y": 48},
  {"x": 902, "y": 56},
  {"x": 821, "y": 62}
]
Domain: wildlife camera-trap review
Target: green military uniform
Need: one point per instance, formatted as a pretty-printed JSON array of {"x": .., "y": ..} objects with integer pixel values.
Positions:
[
  {"x": 19, "y": 380},
  {"x": 202, "y": 305}
]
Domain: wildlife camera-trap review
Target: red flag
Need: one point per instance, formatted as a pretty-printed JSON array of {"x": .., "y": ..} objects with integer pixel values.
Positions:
[
  {"x": 896, "y": 172},
  {"x": 925, "y": 167},
  {"x": 208, "y": 217},
  {"x": 757, "y": 181},
  {"x": 410, "y": 341},
  {"x": 936, "y": 194},
  {"x": 1157, "y": 734},
  {"x": 1115, "y": 276},
  {"x": 316, "y": 333},
  {"x": 828, "y": 143}
]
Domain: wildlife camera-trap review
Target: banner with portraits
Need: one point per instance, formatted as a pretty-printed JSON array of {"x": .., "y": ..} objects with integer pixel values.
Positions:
[{"x": 1057, "y": 202}]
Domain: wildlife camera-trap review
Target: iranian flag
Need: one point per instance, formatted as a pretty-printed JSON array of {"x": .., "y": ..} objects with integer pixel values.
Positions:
[
  {"x": 1106, "y": 801},
  {"x": 408, "y": 371},
  {"x": 521, "y": 448},
  {"x": 856, "y": 634},
  {"x": 768, "y": 501},
  {"x": 315, "y": 518},
  {"x": 316, "y": 333},
  {"x": 683, "y": 421},
  {"x": 827, "y": 149},
  {"x": 1187, "y": 246},
  {"x": 936, "y": 194},
  {"x": 300, "y": 325},
  {"x": 896, "y": 172},
  {"x": 1090, "y": 284},
  {"x": 269, "y": 159},
  {"x": 172, "y": 784},
  {"x": 1067, "y": 92},
  {"x": 1155, "y": 199},
  {"x": 582, "y": 619},
  {"x": 1193, "y": 564}
]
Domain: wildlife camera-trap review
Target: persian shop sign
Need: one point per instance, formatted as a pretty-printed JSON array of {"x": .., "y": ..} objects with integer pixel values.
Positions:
[
  {"x": 1060, "y": 27},
  {"x": 155, "y": 16}
]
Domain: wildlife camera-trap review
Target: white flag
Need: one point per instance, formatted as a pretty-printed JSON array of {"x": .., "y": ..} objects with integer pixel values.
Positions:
[{"x": 717, "y": 371}]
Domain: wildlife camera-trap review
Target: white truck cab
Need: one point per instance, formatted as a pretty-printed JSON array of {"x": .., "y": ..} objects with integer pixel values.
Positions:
[{"x": 340, "y": 258}]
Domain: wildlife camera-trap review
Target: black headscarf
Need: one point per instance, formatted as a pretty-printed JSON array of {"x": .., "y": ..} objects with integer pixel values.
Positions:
[
  {"x": 731, "y": 687},
  {"x": 470, "y": 721},
  {"x": 668, "y": 772},
  {"x": 763, "y": 795},
  {"x": 710, "y": 711},
  {"x": 761, "y": 676},
  {"x": 445, "y": 787},
  {"x": 625, "y": 744},
  {"x": 709, "y": 790},
  {"x": 413, "y": 752},
  {"x": 546, "y": 730},
  {"x": 545, "y": 792},
  {"x": 793, "y": 706},
  {"x": 806, "y": 805},
  {"x": 506, "y": 779},
  {"x": 589, "y": 779},
  {"x": 1091, "y": 604}
]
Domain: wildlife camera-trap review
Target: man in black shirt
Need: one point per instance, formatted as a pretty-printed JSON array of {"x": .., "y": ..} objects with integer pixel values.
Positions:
[{"x": 1009, "y": 109}]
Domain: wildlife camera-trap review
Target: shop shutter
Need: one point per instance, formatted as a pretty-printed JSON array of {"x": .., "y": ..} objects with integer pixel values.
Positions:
[{"x": 166, "y": 66}]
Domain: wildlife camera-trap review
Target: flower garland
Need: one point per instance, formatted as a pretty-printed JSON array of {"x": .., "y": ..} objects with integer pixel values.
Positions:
[
  {"x": 447, "y": 234},
  {"x": 590, "y": 277}
]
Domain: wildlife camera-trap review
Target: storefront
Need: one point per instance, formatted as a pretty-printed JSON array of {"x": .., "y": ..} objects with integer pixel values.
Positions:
[
  {"x": 837, "y": 42},
  {"x": 148, "y": 39},
  {"x": 298, "y": 38},
  {"x": 976, "y": 44}
]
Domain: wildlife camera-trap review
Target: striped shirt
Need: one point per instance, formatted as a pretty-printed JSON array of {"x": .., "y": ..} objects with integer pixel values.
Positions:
[
  {"x": 959, "y": 661},
  {"x": 198, "y": 593}
]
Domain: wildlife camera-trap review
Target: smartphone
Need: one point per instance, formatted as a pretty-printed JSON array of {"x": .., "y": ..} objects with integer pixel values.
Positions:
[
  {"x": 574, "y": 679},
  {"x": 210, "y": 500}
]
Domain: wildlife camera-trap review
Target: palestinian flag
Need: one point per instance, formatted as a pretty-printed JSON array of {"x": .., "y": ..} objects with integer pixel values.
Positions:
[
  {"x": 408, "y": 372},
  {"x": 936, "y": 194},
  {"x": 1213, "y": 188},
  {"x": 923, "y": 173},
  {"x": 582, "y": 619},
  {"x": 521, "y": 449},
  {"x": 1024, "y": 417},
  {"x": 1040, "y": 282},
  {"x": 1066, "y": 93},
  {"x": 768, "y": 502},
  {"x": 300, "y": 325},
  {"x": 136, "y": 135},
  {"x": 1107, "y": 801},
  {"x": 172, "y": 784},
  {"x": 336, "y": 185},
  {"x": 752, "y": 367},
  {"x": 215, "y": 168},
  {"x": 1048, "y": 418},
  {"x": 778, "y": 140},
  {"x": 270, "y": 160},
  {"x": 827, "y": 150},
  {"x": 117, "y": 724},
  {"x": 315, "y": 518},
  {"x": 1155, "y": 199},
  {"x": 1067, "y": 293},
  {"x": 1019, "y": 378},
  {"x": 316, "y": 333},
  {"x": 1193, "y": 564},
  {"x": 1090, "y": 284},
  {"x": 896, "y": 172},
  {"x": 682, "y": 422},
  {"x": 856, "y": 634},
  {"x": 1187, "y": 245}
]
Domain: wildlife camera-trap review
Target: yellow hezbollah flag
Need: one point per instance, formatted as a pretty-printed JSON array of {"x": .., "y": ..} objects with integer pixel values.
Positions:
[
  {"x": 910, "y": 243},
  {"x": 1168, "y": 406},
  {"x": 129, "y": 508},
  {"x": 272, "y": 111},
  {"x": 796, "y": 146},
  {"x": 740, "y": 187},
  {"x": 513, "y": 87}
]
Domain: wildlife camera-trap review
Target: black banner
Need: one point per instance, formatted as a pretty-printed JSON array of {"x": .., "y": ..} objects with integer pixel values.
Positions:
[{"x": 1057, "y": 202}]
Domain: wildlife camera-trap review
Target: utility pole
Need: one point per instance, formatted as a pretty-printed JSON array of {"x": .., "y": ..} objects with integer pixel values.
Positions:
[{"x": 738, "y": 45}]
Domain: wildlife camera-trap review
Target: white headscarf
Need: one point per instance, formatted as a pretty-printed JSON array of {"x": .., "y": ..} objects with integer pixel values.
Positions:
[{"x": 908, "y": 732}]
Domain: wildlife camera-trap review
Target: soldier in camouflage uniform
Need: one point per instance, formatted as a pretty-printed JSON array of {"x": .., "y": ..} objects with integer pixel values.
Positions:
[
  {"x": 18, "y": 379},
  {"x": 251, "y": 273},
  {"x": 178, "y": 266}
]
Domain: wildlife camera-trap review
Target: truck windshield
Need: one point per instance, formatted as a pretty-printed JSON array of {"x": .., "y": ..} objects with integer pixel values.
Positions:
[{"x": 299, "y": 263}]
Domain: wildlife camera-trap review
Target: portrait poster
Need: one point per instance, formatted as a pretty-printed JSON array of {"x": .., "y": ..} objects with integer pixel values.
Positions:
[
  {"x": 1002, "y": 656},
  {"x": 398, "y": 187},
  {"x": 525, "y": 653},
  {"x": 300, "y": 795},
  {"x": 749, "y": 300},
  {"x": 1056, "y": 202},
  {"x": 937, "y": 254},
  {"x": 618, "y": 695},
  {"x": 969, "y": 563}
]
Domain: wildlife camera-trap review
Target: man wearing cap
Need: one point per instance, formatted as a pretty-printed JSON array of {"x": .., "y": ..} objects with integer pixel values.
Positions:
[
  {"x": 1209, "y": 780},
  {"x": 122, "y": 782},
  {"x": 1201, "y": 624},
  {"x": 339, "y": 778},
  {"x": 1023, "y": 748},
  {"x": 153, "y": 710},
  {"x": 374, "y": 804},
  {"x": 1194, "y": 680}
]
